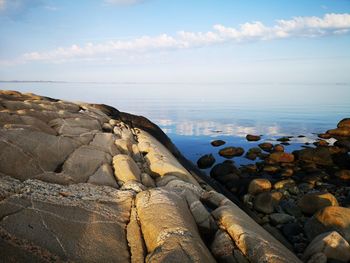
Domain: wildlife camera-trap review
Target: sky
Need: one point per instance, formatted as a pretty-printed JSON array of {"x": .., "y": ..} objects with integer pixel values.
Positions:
[{"x": 204, "y": 41}]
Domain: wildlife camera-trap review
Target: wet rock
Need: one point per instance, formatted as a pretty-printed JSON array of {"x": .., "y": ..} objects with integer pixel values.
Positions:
[
  {"x": 222, "y": 169},
  {"x": 325, "y": 136},
  {"x": 330, "y": 218},
  {"x": 251, "y": 156},
  {"x": 319, "y": 155},
  {"x": 257, "y": 186},
  {"x": 344, "y": 123},
  {"x": 230, "y": 152},
  {"x": 280, "y": 218},
  {"x": 312, "y": 202},
  {"x": 206, "y": 161},
  {"x": 283, "y": 139},
  {"x": 217, "y": 143},
  {"x": 281, "y": 157},
  {"x": 345, "y": 144},
  {"x": 253, "y": 138},
  {"x": 321, "y": 143},
  {"x": 331, "y": 244},
  {"x": 266, "y": 146},
  {"x": 342, "y": 132}
]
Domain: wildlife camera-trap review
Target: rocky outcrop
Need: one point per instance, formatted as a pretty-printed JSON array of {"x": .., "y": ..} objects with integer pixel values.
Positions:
[{"x": 87, "y": 183}]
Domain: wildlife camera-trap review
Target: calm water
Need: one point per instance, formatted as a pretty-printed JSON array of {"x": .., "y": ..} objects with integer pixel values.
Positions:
[{"x": 194, "y": 114}]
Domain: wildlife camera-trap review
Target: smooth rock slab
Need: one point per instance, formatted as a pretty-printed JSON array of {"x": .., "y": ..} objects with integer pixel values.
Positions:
[
  {"x": 84, "y": 162},
  {"x": 78, "y": 223},
  {"x": 125, "y": 169},
  {"x": 169, "y": 229}
]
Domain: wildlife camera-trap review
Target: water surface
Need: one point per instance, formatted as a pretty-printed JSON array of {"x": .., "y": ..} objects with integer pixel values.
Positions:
[{"x": 194, "y": 114}]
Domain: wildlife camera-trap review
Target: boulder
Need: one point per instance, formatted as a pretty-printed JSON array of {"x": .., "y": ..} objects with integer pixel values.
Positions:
[
  {"x": 253, "y": 138},
  {"x": 342, "y": 132},
  {"x": 230, "y": 152},
  {"x": 312, "y": 202},
  {"x": 333, "y": 245},
  {"x": 344, "y": 123},
  {"x": 319, "y": 155},
  {"x": 257, "y": 186},
  {"x": 330, "y": 218},
  {"x": 206, "y": 161},
  {"x": 281, "y": 157}
]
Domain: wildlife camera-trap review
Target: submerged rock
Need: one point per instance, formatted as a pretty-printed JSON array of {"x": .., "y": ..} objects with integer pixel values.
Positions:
[
  {"x": 206, "y": 161},
  {"x": 217, "y": 143},
  {"x": 253, "y": 138},
  {"x": 230, "y": 152}
]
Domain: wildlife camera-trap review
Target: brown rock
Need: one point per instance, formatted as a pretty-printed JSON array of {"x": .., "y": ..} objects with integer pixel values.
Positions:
[
  {"x": 278, "y": 148},
  {"x": 312, "y": 202},
  {"x": 330, "y": 218},
  {"x": 206, "y": 161},
  {"x": 343, "y": 175},
  {"x": 217, "y": 143},
  {"x": 266, "y": 146},
  {"x": 333, "y": 245},
  {"x": 344, "y": 123},
  {"x": 257, "y": 186},
  {"x": 230, "y": 152},
  {"x": 253, "y": 138},
  {"x": 281, "y": 157}
]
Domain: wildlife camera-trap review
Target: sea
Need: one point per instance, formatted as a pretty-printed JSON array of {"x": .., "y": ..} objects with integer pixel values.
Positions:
[{"x": 194, "y": 114}]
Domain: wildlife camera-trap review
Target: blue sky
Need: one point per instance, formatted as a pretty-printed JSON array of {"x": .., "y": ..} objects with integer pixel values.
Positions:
[{"x": 175, "y": 41}]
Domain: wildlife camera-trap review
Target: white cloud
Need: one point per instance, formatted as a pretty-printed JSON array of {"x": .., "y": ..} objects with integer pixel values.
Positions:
[{"x": 329, "y": 24}]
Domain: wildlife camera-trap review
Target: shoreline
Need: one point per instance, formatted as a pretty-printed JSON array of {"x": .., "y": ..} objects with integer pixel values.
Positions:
[{"x": 153, "y": 169}]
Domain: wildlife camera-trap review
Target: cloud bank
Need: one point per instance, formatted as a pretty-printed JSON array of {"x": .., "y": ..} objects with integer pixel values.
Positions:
[{"x": 306, "y": 27}]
